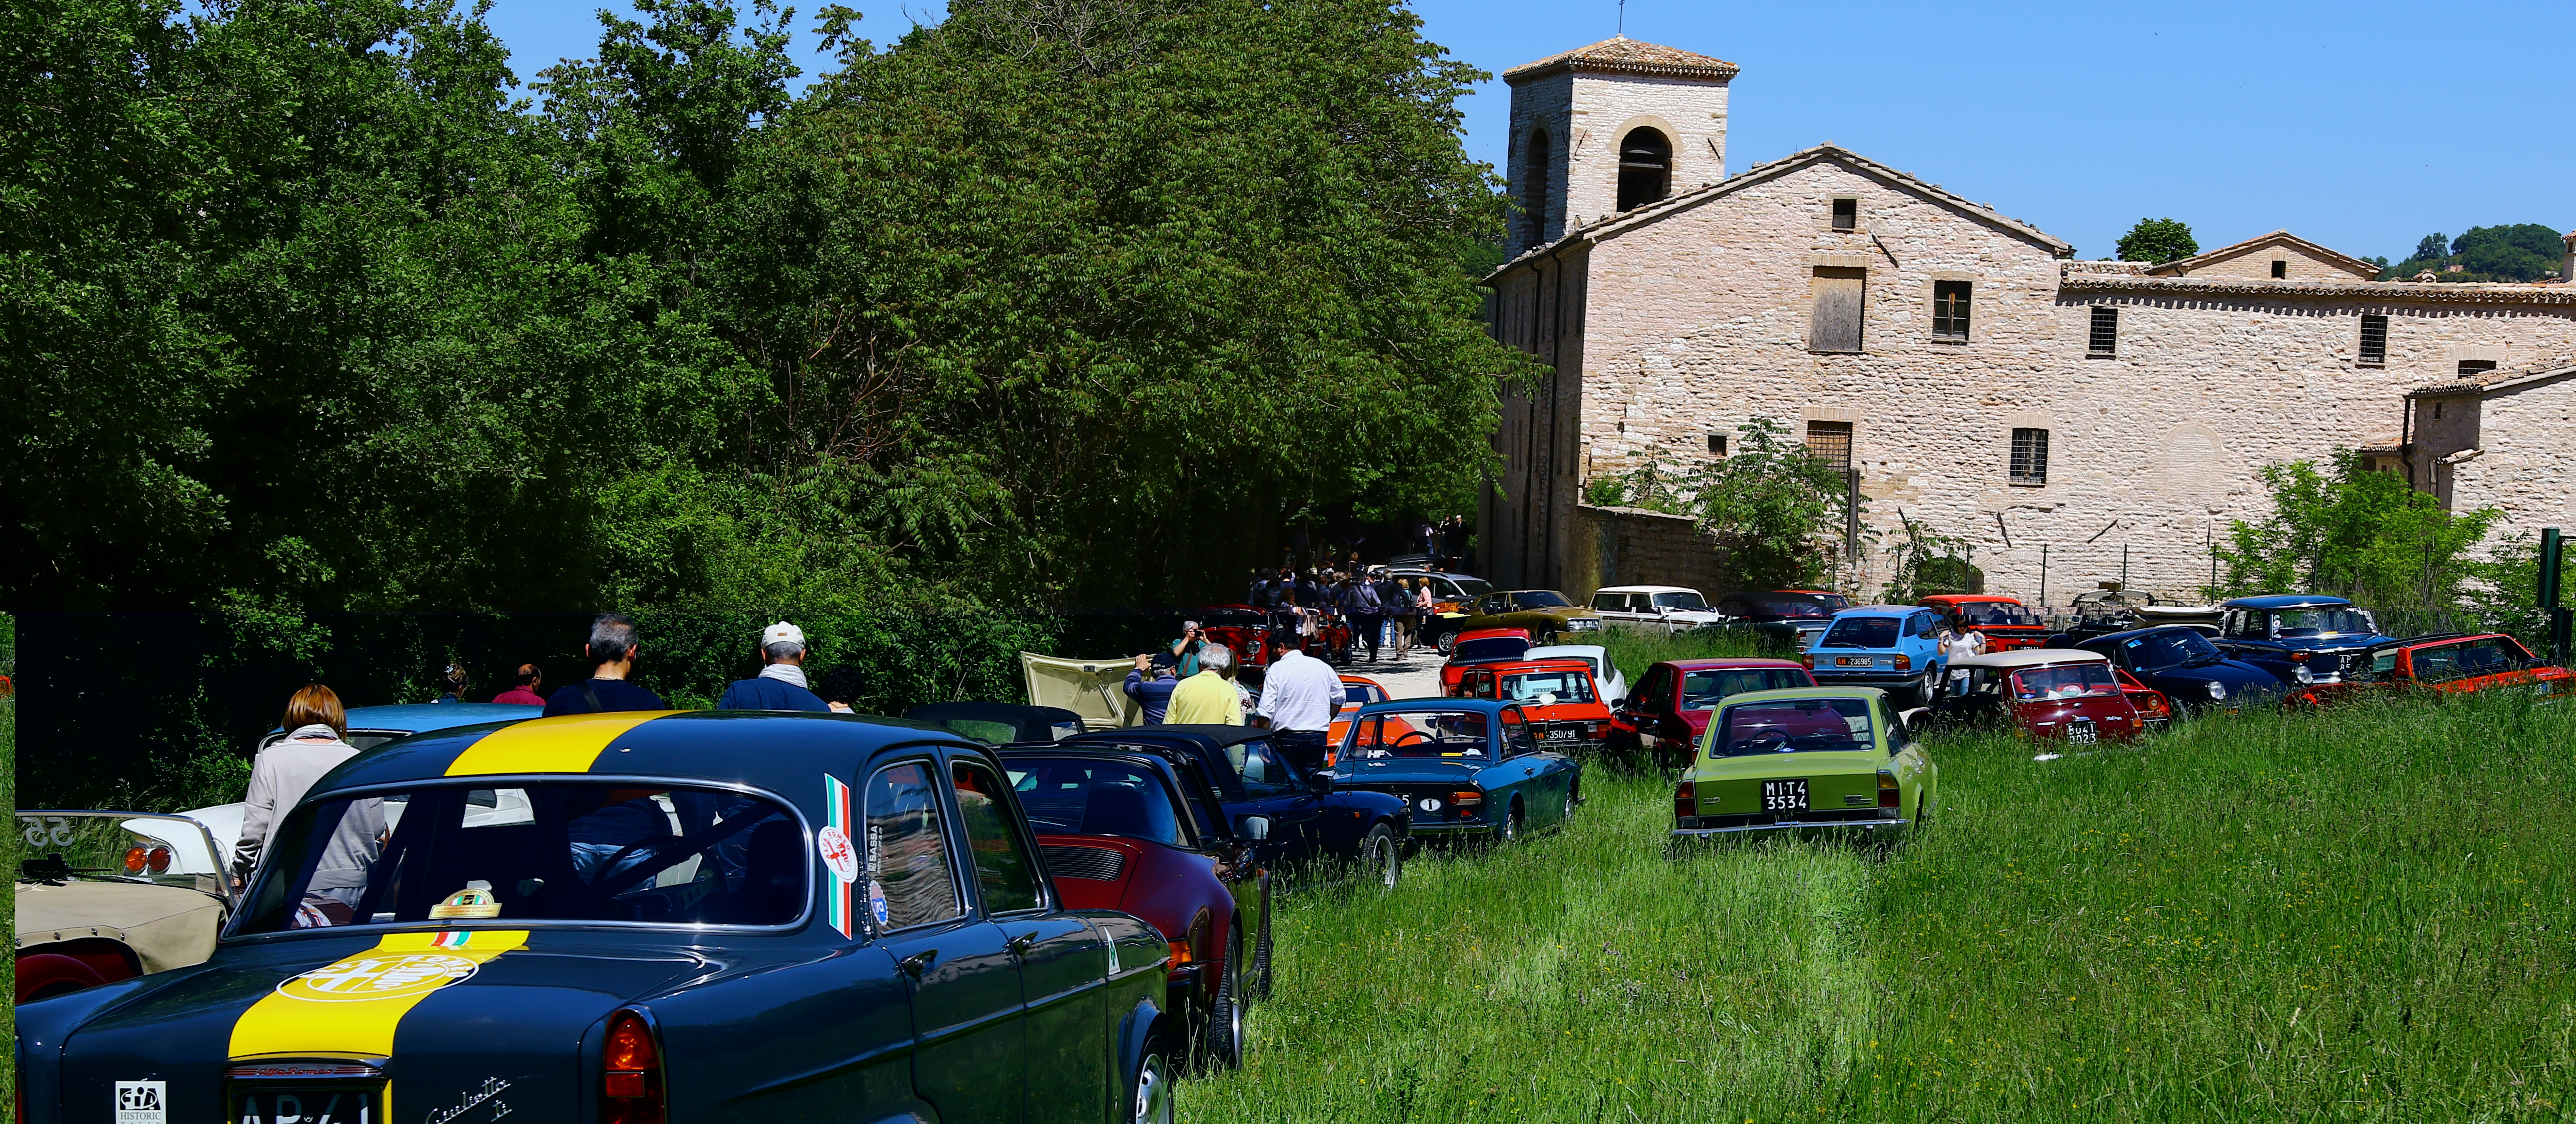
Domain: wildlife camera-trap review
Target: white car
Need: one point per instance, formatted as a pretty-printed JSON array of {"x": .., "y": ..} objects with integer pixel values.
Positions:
[
  {"x": 1605, "y": 675},
  {"x": 1664, "y": 608}
]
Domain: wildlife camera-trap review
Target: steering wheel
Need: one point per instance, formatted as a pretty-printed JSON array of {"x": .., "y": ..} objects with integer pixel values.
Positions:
[
  {"x": 1408, "y": 735},
  {"x": 1771, "y": 740}
]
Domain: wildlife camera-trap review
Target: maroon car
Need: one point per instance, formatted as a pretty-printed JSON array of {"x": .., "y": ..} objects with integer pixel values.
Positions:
[
  {"x": 1668, "y": 709},
  {"x": 1143, "y": 835}
]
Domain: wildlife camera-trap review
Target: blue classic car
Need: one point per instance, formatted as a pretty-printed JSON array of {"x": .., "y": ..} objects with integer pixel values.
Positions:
[
  {"x": 2179, "y": 660},
  {"x": 2300, "y": 637},
  {"x": 1311, "y": 825},
  {"x": 637, "y": 917},
  {"x": 1892, "y": 647},
  {"x": 1467, "y": 766}
]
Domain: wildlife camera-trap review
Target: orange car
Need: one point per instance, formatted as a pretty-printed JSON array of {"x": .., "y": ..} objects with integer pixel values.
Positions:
[
  {"x": 2447, "y": 663},
  {"x": 1564, "y": 708},
  {"x": 1480, "y": 647},
  {"x": 2006, "y": 623}
]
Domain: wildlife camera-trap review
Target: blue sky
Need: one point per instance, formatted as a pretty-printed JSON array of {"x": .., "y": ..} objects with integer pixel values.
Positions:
[{"x": 2363, "y": 126}]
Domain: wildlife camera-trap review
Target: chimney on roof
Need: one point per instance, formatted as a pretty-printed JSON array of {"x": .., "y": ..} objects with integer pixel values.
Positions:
[{"x": 2567, "y": 263}]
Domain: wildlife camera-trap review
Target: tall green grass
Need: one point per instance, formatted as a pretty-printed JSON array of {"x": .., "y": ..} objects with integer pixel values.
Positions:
[
  {"x": 1633, "y": 650},
  {"x": 2360, "y": 915}
]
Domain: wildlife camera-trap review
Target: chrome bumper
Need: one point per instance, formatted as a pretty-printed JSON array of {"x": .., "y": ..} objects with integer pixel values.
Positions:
[
  {"x": 1793, "y": 825},
  {"x": 1480, "y": 827}
]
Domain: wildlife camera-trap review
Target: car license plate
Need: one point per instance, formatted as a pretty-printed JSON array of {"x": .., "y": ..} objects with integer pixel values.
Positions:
[
  {"x": 309, "y": 1104},
  {"x": 1784, "y": 796},
  {"x": 1558, "y": 734},
  {"x": 2080, "y": 732},
  {"x": 1851, "y": 661}
]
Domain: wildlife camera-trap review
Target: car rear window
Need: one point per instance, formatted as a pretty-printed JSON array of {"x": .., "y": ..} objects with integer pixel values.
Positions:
[
  {"x": 1793, "y": 726},
  {"x": 1861, "y": 632},
  {"x": 1548, "y": 688},
  {"x": 1491, "y": 649},
  {"x": 563, "y": 851},
  {"x": 1072, "y": 796},
  {"x": 2074, "y": 681},
  {"x": 1703, "y": 690}
]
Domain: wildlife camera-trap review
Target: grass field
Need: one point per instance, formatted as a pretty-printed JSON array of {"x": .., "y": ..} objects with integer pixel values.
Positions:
[{"x": 2356, "y": 916}]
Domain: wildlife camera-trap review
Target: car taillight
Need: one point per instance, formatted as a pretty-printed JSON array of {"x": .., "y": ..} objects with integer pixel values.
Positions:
[
  {"x": 1181, "y": 953},
  {"x": 2300, "y": 657},
  {"x": 1463, "y": 799},
  {"x": 1601, "y": 729},
  {"x": 1886, "y": 790},
  {"x": 1808, "y": 659},
  {"x": 1686, "y": 801},
  {"x": 631, "y": 1073},
  {"x": 1904, "y": 662}
]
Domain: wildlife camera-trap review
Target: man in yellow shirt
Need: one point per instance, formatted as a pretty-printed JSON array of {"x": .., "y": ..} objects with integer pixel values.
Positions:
[{"x": 1208, "y": 697}]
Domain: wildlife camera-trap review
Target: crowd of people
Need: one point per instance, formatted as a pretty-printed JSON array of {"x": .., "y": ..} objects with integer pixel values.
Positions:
[{"x": 1341, "y": 611}]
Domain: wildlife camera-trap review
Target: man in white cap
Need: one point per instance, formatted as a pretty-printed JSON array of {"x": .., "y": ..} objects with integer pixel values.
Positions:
[{"x": 781, "y": 682}]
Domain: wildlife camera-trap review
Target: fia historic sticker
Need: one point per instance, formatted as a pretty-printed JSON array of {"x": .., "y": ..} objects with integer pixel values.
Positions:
[
  {"x": 142, "y": 1102},
  {"x": 837, "y": 853},
  {"x": 378, "y": 975}
]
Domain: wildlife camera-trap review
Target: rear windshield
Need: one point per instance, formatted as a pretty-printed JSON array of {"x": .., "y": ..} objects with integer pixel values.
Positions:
[
  {"x": 1491, "y": 650},
  {"x": 571, "y": 851},
  {"x": 1548, "y": 688},
  {"x": 1996, "y": 612},
  {"x": 1071, "y": 796},
  {"x": 1422, "y": 733},
  {"x": 2475, "y": 657},
  {"x": 2074, "y": 681},
  {"x": 1861, "y": 632},
  {"x": 1679, "y": 601},
  {"x": 2171, "y": 647},
  {"x": 1703, "y": 690},
  {"x": 1794, "y": 726}
]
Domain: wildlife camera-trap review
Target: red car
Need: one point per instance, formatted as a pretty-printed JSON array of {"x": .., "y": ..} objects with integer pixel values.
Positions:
[
  {"x": 1244, "y": 629},
  {"x": 1482, "y": 646},
  {"x": 2051, "y": 694},
  {"x": 1668, "y": 709},
  {"x": 1564, "y": 708},
  {"x": 2449, "y": 664},
  {"x": 1133, "y": 831},
  {"x": 2006, "y": 623}
]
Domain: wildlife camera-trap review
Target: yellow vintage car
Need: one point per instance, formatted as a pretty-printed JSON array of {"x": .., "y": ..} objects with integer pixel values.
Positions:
[{"x": 1549, "y": 617}]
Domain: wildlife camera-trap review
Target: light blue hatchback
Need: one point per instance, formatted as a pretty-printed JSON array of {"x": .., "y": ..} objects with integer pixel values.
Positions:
[{"x": 1892, "y": 647}]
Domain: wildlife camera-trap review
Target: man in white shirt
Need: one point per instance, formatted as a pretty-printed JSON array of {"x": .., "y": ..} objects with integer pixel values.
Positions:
[{"x": 1299, "y": 696}]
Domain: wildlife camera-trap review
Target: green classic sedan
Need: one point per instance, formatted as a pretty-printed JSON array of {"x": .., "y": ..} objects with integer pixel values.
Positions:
[
  {"x": 1807, "y": 759},
  {"x": 1549, "y": 617}
]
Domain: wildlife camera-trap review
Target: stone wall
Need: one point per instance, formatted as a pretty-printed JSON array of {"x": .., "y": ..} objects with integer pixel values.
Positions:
[
  {"x": 1585, "y": 115},
  {"x": 1633, "y": 546},
  {"x": 2525, "y": 442}
]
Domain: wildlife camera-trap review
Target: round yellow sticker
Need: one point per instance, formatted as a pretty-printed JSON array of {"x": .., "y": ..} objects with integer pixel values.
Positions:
[{"x": 378, "y": 975}]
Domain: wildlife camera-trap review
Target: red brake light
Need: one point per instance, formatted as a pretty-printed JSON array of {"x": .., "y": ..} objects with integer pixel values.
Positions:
[
  {"x": 1808, "y": 659},
  {"x": 1686, "y": 800},
  {"x": 631, "y": 1079},
  {"x": 1464, "y": 798},
  {"x": 134, "y": 860},
  {"x": 1887, "y": 792},
  {"x": 1904, "y": 662}
]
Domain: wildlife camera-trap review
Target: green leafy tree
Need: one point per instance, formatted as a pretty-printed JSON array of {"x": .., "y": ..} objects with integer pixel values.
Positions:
[
  {"x": 2344, "y": 529},
  {"x": 2525, "y": 252},
  {"x": 2158, "y": 241},
  {"x": 1776, "y": 508}
]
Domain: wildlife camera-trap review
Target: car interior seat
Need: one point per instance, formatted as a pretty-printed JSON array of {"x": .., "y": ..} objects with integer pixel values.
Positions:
[{"x": 1115, "y": 809}]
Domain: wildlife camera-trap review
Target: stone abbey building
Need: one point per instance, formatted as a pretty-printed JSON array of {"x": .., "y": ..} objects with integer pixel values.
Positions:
[{"x": 2084, "y": 416}]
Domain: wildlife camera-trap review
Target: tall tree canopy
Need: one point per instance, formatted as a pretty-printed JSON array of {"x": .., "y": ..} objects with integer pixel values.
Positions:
[
  {"x": 1056, "y": 300},
  {"x": 2158, "y": 241}
]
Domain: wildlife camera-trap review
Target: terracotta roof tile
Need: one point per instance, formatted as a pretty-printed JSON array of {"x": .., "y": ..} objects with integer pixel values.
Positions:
[{"x": 1627, "y": 56}]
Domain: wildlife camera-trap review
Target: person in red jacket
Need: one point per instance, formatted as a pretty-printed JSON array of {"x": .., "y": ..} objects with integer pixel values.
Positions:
[{"x": 526, "y": 693}]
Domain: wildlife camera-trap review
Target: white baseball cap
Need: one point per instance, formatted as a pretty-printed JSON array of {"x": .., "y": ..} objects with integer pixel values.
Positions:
[{"x": 782, "y": 631}]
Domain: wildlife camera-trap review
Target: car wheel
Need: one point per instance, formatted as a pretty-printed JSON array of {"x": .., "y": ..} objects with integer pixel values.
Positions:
[
  {"x": 1512, "y": 824},
  {"x": 1381, "y": 861},
  {"x": 1567, "y": 816},
  {"x": 1448, "y": 642},
  {"x": 1221, "y": 1041},
  {"x": 1149, "y": 1096},
  {"x": 1257, "y": 982}
]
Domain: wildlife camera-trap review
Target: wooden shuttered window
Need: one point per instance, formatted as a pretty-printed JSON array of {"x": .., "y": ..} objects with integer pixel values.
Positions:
[
  {"x": 1950, "y": 309},
  {"x": 1834, "y": 322}
]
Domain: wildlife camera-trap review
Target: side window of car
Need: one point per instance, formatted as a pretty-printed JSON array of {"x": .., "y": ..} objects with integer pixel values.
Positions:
[
  {"x": 2435, "y": 664},
  {"x": 1004, "y": 874},
  {"x": 1517, "y": 739},
  {"x": 1609, "y": 602},
  {"x": 907, "y": 861},
  {"x": 1264, "y": 775}
]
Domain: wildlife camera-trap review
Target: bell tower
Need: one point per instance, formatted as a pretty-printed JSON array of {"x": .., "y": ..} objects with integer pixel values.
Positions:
[{"x": 1609, "y": 128}]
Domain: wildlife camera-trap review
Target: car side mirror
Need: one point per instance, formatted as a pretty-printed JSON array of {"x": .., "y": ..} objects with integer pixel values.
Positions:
[
  {"x": 1320, "y": 782},
  {"x": 1254, "y": 828}
]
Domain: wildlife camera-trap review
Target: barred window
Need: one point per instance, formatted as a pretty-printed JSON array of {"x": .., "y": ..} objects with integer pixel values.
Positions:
[
  {"x": 1950, "y": 309},
  {"x": 2029, "y": 456},
  {"x": 1831, "y": 442},
  {"x": 2374, "y": 339},
  {"x": 2106, "y": 331}
]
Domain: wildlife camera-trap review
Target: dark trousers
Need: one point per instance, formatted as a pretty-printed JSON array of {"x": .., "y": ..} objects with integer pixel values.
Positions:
[
  {"x": 1304, "y": 750},
  {"x": 1367, "y": 624}
]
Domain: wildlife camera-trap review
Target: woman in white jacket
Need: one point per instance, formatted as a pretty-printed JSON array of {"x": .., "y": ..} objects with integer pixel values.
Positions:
[{"x": 316, "y": 741}]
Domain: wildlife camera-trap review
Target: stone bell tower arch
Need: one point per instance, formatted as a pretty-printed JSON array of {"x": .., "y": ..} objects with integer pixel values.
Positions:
[{"x": 1608, "y": 128}]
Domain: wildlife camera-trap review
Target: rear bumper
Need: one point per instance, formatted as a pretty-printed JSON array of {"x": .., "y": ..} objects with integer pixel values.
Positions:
[
  {"x": 1881, "y": 679},
  {"x": 1872, "y": 827},
  {"x": 1454, "y": 827}
]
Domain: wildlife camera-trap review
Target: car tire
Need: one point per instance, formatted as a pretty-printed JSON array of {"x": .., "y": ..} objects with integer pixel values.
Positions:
[
  {"x": 1149, "y": 1092},
  {"x": 1257, "y": 981},
  {"x": 1567, "y": 816},
  {"x": 1512, "y": 825},
  {"x": 1221, "y": 1039},
  {"x": 1448, "y": 643},
  {"x": 1381, "y": 859}
]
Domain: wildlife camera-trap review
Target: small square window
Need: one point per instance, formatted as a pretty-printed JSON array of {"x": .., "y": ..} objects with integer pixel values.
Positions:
[
  {"x": 2280, "y": 269},
  {"x": 1717, "y": 444},
  {"x": 2106, "y": 331},
  {"x": 2374, "y": 340},
  {"x": 2029, "y": 457},
  {"x": 1950, "y": 309},
  {"x": 1846, "y": 214}
]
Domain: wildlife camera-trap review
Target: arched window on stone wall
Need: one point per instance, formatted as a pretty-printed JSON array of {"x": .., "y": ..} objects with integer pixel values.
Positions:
[
  {"x": 1534, "y": 177},
  {"x": 1645, "y": 167}
]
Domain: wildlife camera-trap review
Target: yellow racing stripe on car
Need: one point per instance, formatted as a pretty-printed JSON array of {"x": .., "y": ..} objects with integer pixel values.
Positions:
[
  {"x": 563, "y": 744},
  {"x": 349, "y": 1009}
]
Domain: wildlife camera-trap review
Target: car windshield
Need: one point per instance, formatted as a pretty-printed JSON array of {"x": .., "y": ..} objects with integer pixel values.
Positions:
[
  {"x": 2333, "y": 621},
  {"x": 1794, "y": 726},
  {"x": 1424, "y": 733},
  {"x": 1861, "y": 632},
  {"x": 116, "y": 847},
  {"x": 2170, "y": 647},
  {"x": 1470, "y": 588},
  {"x": 1490, "y": 649},
  {"x": 1678, "y": 601},
  {"x": 1540, "y": 599},
  {"x": 1072, "y": 796},
  {"x": 1703, "y": 690},
  {"x": 2072, "y": 681},
  {"x": 553, "y": 851},
  {"x": 1548, "y": 688},
  {"x": 2453, "y": 661},
  {"x": 1998, "y": 613}
]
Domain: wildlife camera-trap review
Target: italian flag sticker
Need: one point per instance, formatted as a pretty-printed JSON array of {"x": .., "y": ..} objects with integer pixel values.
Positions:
[{"x": 833, "y": 842}]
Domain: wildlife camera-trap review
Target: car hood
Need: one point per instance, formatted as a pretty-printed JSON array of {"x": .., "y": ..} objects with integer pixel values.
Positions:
[{"x": 481, "y": 1008}]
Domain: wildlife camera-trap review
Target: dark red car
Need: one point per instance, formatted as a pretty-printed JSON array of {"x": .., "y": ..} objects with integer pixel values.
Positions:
[
  {"x": 2448, "y": 664},
  {"x": 1482, "y": 646},
  {"x": 1244, "y": 629},
  {"x": 1668, "y": 709},
  {"x": 1134, "y": 832},
  {"x": 2006, "y": 623},
  {"x": 2048, "y": 694}
]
